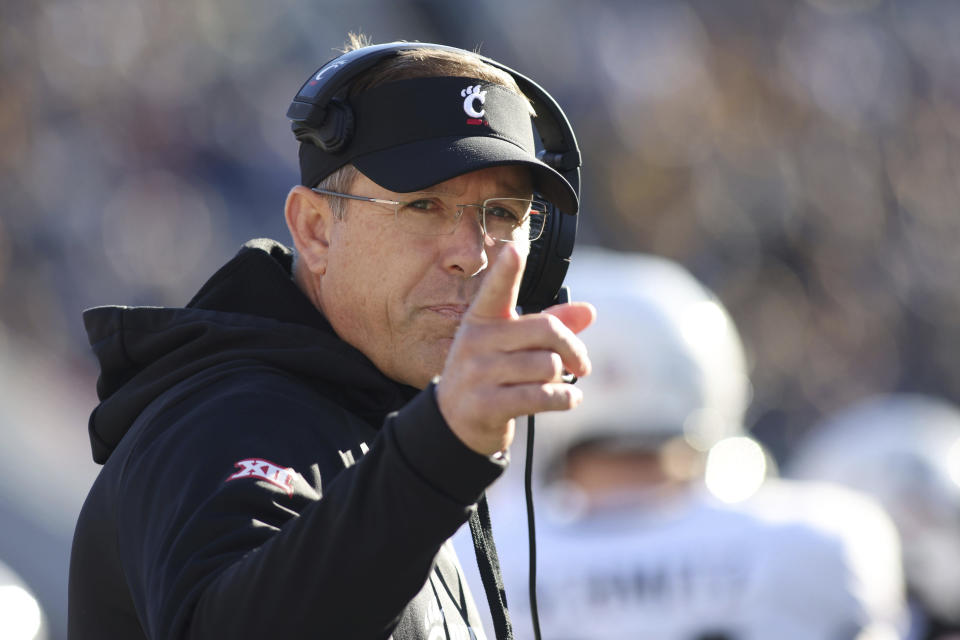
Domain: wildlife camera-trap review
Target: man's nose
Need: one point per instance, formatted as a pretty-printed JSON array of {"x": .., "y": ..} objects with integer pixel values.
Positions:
[{"x": 468, "y": 244}]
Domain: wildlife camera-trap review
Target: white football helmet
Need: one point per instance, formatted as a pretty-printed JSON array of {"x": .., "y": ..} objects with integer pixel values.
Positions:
[
  {"x": 904, "y": 449},
  {"x": 21, "y": 617},
  {"x": 667, "y": 358}
]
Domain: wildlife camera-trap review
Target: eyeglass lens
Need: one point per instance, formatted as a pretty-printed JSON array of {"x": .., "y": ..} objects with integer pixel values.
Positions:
[{"x": 505, "y": 219}]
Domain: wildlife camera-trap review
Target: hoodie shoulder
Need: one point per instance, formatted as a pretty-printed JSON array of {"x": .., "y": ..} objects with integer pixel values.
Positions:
[{"x": 249, "y": 311}]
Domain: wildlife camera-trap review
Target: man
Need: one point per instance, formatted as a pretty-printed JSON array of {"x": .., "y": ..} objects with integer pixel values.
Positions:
[
  {"x": 655, "y": 520},
  {"x": 288, "y": 455}
]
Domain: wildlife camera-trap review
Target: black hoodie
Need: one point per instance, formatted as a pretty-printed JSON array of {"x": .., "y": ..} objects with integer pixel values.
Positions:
[{"x": 263, "y": 479}]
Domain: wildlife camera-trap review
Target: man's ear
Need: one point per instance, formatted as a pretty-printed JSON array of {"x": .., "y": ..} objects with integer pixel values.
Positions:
[{"x": 309, "y": 219}]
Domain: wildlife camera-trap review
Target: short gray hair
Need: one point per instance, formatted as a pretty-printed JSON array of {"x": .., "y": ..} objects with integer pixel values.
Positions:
[{"x": 340, "y": 181}]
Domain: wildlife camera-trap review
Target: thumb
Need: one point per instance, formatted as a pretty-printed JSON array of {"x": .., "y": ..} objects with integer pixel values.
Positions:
[{"x": 497, "y": 297}]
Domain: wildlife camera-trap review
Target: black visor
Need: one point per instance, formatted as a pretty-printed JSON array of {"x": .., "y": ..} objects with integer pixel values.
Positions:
[{"x": 412, "y": 134}]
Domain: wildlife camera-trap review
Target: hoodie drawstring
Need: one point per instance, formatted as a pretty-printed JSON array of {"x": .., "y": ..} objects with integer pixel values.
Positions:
[{"x": 489, "y": 565}]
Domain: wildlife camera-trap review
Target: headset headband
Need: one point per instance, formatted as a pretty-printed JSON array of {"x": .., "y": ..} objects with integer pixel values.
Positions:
[{"x": 309, "y": 107}]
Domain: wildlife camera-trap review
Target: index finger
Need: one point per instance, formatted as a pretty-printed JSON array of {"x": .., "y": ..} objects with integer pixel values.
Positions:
[{"x": 497, "y": 297}]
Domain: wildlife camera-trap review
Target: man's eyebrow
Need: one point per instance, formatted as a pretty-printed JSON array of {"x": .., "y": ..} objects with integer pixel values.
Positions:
[
  {"x": 511, "y": 189},
  {"x": 507, "y": 189},
  {"x": 499, "y": 191},
  {"x": 502, "y": 187}
]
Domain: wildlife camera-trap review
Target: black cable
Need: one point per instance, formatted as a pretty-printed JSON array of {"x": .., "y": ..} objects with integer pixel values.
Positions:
[
  {"x": 531, "y": 528},
  {"x": 563, "y": 296}
]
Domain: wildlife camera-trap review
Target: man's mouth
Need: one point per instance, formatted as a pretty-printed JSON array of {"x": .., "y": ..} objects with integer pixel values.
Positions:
[{"x": 452, "y": 311}]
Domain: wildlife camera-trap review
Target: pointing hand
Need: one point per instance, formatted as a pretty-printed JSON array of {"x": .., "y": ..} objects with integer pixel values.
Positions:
[{"x": 502, "y": 365}]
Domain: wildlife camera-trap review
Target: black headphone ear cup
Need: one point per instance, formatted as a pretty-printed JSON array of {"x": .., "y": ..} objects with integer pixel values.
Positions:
[
  {"x": 334, "y": 132},
  {"x": 531, "y": 272},
  {"x": 337, "y": 127},
  {"x": 547, "y": 262}
]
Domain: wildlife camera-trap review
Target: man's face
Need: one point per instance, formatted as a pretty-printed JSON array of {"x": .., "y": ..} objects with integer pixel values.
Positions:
[{"x": 399, "y": 297}]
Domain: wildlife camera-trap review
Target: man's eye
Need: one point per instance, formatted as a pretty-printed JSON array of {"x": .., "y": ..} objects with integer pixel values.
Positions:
[
  {"x": 424, "y": 204},
  {"x": 503, "y": 213}
]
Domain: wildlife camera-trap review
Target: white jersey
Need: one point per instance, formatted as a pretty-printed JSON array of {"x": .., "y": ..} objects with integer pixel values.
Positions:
[{"x": 794, "y": 562}]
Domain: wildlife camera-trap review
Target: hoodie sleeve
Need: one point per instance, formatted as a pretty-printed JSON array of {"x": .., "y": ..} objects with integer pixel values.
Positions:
[{"x": 305, "y": 548}]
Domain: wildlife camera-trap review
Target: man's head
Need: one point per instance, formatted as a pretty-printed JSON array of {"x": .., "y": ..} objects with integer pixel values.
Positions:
[
  {"x": 409, "y": 117},
  {"x": 397, "y": 295}
]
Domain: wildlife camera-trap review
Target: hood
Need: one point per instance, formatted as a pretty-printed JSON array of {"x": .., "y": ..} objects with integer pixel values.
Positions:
[{"x": 250, "y": 310}]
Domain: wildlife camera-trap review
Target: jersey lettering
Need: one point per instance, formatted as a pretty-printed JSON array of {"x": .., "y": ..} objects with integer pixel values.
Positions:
[
  {"x": 347, "y": 456},
  {"x": 265, "y": 470}
]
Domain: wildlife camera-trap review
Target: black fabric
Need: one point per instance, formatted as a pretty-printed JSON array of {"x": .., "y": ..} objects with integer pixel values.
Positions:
[
  {"x": 412, "y": 134},
  {"x": 262, "y": 478}
]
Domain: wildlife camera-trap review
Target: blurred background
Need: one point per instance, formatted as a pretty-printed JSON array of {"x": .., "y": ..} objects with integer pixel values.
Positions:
[{"x": 801, "y": 158}]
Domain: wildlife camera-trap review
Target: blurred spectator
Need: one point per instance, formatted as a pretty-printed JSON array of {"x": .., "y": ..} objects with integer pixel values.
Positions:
[
  {"x": 43, "y": 413},
  {"x": 656, "y": 519},
  {"x": 800, "y": 158},
  {"x": 904, "y": 449}
]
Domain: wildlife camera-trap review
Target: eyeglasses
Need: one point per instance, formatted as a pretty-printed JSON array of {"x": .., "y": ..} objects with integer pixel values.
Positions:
[{"x": 503, "y": 219}]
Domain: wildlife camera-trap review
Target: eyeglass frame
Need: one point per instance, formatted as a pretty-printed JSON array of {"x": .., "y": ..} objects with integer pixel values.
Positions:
[{"x": 459, "y": 207}]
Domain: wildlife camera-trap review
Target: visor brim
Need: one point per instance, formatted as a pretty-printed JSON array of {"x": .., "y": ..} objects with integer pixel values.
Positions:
[{"x": 418, "y": 165}]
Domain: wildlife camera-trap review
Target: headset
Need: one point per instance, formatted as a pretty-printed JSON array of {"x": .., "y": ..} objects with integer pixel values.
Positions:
[{"x": 321, "y": 116}]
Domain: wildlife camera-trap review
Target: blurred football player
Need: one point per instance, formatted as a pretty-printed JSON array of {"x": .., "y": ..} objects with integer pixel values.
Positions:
[
  {"x": 21, "y": 617},
  {"x": 656, "y": 515},
  {"x": 904, "y": 449}
]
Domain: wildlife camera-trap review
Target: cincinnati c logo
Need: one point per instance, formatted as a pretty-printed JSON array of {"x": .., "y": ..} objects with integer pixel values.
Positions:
[{"x": 471, "y": 96}]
